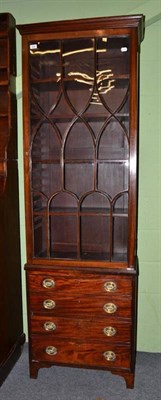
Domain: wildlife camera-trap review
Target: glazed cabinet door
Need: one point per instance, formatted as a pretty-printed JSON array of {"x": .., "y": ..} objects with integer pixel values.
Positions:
[{"x": 79, "y": 142}]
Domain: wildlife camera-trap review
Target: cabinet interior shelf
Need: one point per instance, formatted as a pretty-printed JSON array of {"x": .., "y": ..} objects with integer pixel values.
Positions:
[
  {"x": 65, "y": 118},
  {"x": 67, "y": 79},
  {"x": 3, "y": 115},
  {"x": 4, "y": 82},
  {"x": 80, "y": 161},
  {"x": 121, "y": 257},
  {"x": 73, "y": 211}
]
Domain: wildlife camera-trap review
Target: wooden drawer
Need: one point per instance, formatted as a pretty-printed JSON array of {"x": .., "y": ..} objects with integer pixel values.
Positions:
[
  {"x": 110, "y": 330},
  {"x": 72, "y": 283},
  {"x": 80, "y": 353},
  {"x": 89, "y": 306}
]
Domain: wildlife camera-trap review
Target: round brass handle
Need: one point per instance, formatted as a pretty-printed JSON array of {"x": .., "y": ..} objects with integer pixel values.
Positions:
[
  {"x": 109, "y": 331},
  {"x": 51, "y": 350},
  {"x": 49, "y": 304},
  {"x": 110, "y": 286},
  {"x": 109, "y": 355},
  {"x": 48, "y": 283},
  {"x": 110, "y": 308},
  {"x": 49, "y": 326}
]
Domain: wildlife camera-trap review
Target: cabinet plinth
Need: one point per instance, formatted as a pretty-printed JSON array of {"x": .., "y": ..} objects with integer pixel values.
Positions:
[{"x": 80, "y": 94}]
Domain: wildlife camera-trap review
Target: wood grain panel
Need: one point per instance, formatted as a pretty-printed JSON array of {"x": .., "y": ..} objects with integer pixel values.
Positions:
[
  {"x": 85, "y": 306},
  {"x": 80, "y": 353},
  {"x": 76, "y": 282},
  {"x": 89, "y": 329}
]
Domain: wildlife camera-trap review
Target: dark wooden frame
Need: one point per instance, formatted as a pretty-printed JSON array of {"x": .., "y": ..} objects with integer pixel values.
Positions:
[{"x": 11, "y": 331}]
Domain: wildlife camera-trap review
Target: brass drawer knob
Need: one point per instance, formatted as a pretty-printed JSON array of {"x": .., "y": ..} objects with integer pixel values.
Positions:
[
  {"x": 51, "y": 350},
  {"x": 49, "y": 304},
  {"x": 110, "y": 286},
  {"x": 48, "y": 283},
  {"x": 109, "y": 355},
  {"x": 110, "y": 308},
  {"x": 49, "y": 326},
  {"x": 109, "y": 331}
]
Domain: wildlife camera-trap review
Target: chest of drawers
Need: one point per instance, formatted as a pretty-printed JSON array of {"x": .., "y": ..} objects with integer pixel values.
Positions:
[{"x": 82, "y": 318}]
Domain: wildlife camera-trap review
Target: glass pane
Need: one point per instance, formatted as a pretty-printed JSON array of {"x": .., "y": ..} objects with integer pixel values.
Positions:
[
  {"x": 78, "y": 63},
  {"x": 121, "y": 204},
  {"x": 112, "y": 178},
  {"x": 113, "y": 71},
  {"x": 95, "y": 202},
  {"x": 95, "y": 237},
  {"x": 63, "y": 116},
  {"x": 123, "y": 116},
  {"x": 79, "y": 178},
  {"x": 120, "y": 239},
  {"x": 46, "y": 178},
  {"x": 63, "y": 236},
  {"x": 40, "y": 238},
  {"x": 46, "y": 144},
  {"x": 63, "y": 201},
  {"x": 39, "y": 202},
  {"x": 44, "y": 98},
  {"x": 113, "y": 142},
  {"x": 45, "y": 60},
  {"x": 79, "y": 142}
]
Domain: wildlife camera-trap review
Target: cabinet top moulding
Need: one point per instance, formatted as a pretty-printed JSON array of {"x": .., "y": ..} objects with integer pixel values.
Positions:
[
  {"x": 7, "y": 23},
  {"x": 87, "y": 24}
]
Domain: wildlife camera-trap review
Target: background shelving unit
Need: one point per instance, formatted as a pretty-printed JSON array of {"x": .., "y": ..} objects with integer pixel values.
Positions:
[{"x": 11, "y": 331}]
